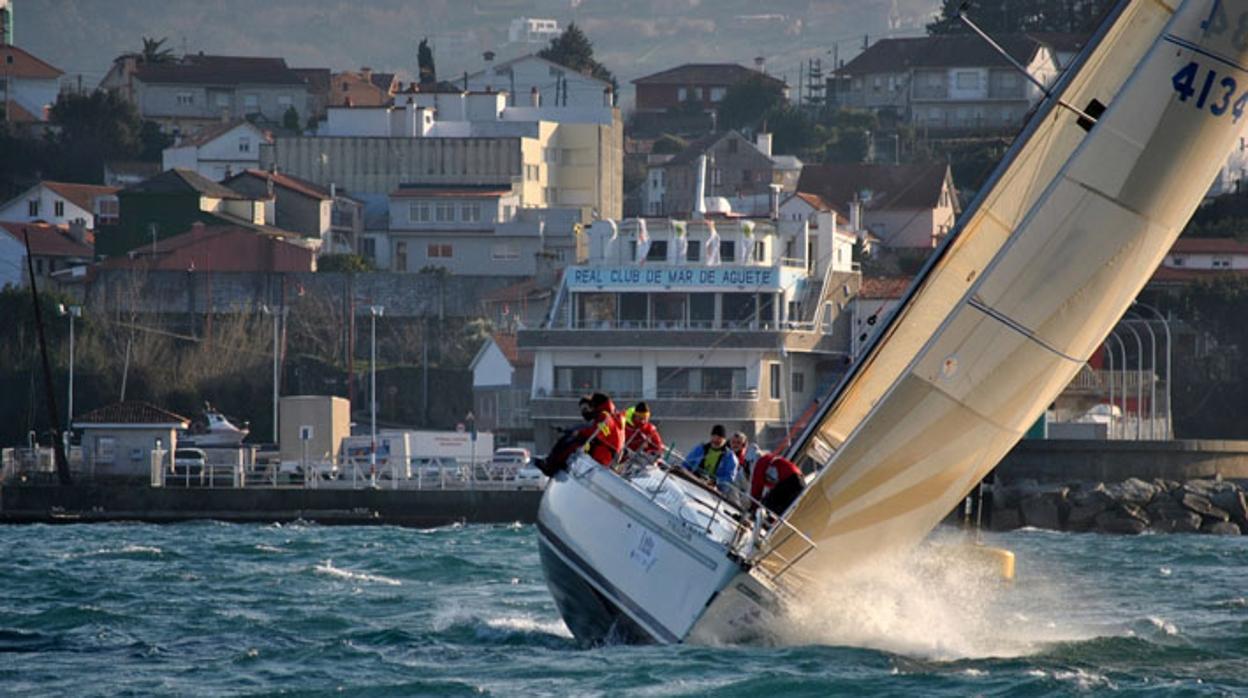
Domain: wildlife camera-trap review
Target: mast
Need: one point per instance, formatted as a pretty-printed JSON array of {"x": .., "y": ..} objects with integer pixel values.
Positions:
[
  {"x": 1040, "y": 270},
  {"x": 58, "y": 446}
]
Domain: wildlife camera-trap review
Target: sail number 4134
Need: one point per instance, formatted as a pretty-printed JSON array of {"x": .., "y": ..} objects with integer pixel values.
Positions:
[{"x": 1209, "y": 90}]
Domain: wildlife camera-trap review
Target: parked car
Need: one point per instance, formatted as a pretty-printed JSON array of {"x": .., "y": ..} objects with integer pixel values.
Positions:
[{"x": 189, "y": 461}]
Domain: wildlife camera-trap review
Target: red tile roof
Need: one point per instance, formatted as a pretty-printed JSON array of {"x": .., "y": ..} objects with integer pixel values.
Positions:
[
  {"x": 1183, "y": 275},
  {"x": 219, "y": 248},
  {"x": 48, "y": 240},
  {"x": 890, "y": 186},
  {"x": 945, "y": 51},
  {"x": 1209, "y": 246},
  {"x": 17, "y": 63},
  {"x": 17, "y": 114},
  {"x": 884, "y": 287},
  {"x": 132, "y": 412},
  {"x": 214, "y": 131},
  {"x": 705, "y": 74},
  {"x": 81, "y": 195},
  {"x": 199, "y": 69},
  {"x": 508, "y": 346},
  {"x": 287, "y": 181}
]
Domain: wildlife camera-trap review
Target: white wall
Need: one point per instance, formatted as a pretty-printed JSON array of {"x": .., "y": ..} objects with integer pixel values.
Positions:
[
  {"x": 493, "y": 369},
  {"x": 18, "y": 209},
  {"x": 12, "y": 260},
  {"x": 530, "y": 72}
]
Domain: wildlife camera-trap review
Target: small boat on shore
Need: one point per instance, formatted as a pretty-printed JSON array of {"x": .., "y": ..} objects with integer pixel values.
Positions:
[{"x": 214, "y": 430}]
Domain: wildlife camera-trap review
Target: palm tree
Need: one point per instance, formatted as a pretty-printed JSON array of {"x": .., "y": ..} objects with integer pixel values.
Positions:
[{"x": 153, "y": 51}]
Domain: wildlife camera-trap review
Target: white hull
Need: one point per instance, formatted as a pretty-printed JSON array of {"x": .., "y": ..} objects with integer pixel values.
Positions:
[{"x": 635, "y": 560}]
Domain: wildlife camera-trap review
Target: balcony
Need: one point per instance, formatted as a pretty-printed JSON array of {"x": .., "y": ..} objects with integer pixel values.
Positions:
[
  {"x": 739, "y": 405},
  {"x": 794, "y": 336}
]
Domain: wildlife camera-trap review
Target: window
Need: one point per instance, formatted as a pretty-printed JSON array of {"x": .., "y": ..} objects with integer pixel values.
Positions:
[
  {"x": 105, "y": 449},
  {"x": 368, "y": 247},
  {"x": 967, "y": 80},
  {"x": 615, "y": 381},
  {"x": 185, "y": 99},
  {"x": 445, "y": 212},
  {"x": 439, "y": 251},
  {"x": 470, "y": 213},
  {"x": 669, "y": 309},
  {"x": 107, "y": 210},
  {"x": 552, "y": 194},
  {"x": 732, "y": 145},
  {"x": 550, "y": 155},
  {"x": 717, "y": 94},
  {"x": 418, "y": 213},
  {"x": 727, "y": 251},
  {"x": 633, "y": 309},
  {"x": 723, "y": 382},
  {"x": 799, "y": 382},
  {"x": 657, "y": 252},
  {"x": 221, "y": 99},
  {"x": 716, "y": 177},
  {"x": 32, "y": 207},
  {"x": 760, "y": 251},
  {"x": 284, "y": 101},
  {"x": 244, "y": 144},
  {"x": 1178, "y": 261},
  {"x": 682, "y": 94},
  {"x": 503, "y": 252},
  {"x": 58, "y": 208},
  {"x": 251, "y": 102},
  {"x": 747, "y": 176},
  {"x": 596, "y": 309},
  {"x": 739, "y": 309},
  {"x": 1221, "y": 262},
  {"x": 400, "y": 256},
  {"x": 702, "y": 310},
  {"x": 694, "y": 252},
  {"x": 773, "y": 374}
]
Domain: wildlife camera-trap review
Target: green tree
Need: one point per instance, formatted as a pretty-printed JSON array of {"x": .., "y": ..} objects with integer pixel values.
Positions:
[
  {"x": 290, "y": 120},
  {"x": 745, "y": 103},
  {"x": 793, "y": 130},
  {"x": 93, "y": 128},
  {"x": 847, "y": 145},
  {"x": 424, "y": 59},
  {"x": 152, "y": 141},
  {"x": 668, "y": 144},
  {"x": 343, "y": 263},
  {"x": 572, "y": 49},
  {"x": 155, "y": 52}
]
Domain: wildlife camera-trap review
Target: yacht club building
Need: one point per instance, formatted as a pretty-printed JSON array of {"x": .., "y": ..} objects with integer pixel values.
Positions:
[{"x": 731, "y": 321}]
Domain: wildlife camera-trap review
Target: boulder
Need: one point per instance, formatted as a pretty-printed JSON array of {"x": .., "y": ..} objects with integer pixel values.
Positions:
[
  {"x": 1235, "y": 504},
  {"x": 1168, "y": 516},
  {"x": 1123, "y": 518},
  {"x": 1201, "y": 505},
  {"x": 1220, "y": 528},
  {"x": 1207, "y": 488},
  {"x": 1006, "y": 519},
  {"x": 1044, "y": 510},
  {"x": 1086, "y": 505},
  {"x": 1133, "y": 491},
  {"x": 1167, "y": 485}
]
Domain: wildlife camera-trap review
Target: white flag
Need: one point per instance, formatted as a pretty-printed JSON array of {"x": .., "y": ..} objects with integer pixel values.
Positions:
[
  {"x": 643, "y": 241},
  {"x": 682, "y": 240},
  {"x": 712, "y": 245}
]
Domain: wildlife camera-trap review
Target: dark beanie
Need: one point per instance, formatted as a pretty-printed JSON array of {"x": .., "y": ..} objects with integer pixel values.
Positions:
[{"x": 719, "y": 430}]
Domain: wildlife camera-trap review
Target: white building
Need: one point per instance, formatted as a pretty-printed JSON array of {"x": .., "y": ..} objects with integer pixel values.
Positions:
[
  {"x": 28, "y": 85},
  {"x": 532, "y": 30},
  {"x": 715, "y": 325},
  {"x": 63, "y": 203},
  {"x": 218, "y": 151},
  {"x": 554, "y": 84}
]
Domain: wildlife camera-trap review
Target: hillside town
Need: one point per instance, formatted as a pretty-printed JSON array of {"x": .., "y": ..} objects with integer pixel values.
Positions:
[{"x": 481, "y": 250}]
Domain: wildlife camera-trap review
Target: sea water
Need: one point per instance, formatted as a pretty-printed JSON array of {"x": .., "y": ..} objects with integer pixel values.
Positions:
[{"x": 217, "y": 609}]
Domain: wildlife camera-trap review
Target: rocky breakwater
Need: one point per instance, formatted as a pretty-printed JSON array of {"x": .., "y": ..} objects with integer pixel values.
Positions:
[{"x": 1132, "y": 507}]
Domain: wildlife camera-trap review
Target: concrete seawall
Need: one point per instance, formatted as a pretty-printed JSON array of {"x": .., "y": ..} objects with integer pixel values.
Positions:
[
  {"x": 1064, "y": 461},
  {"x": 98, "y": 502}
]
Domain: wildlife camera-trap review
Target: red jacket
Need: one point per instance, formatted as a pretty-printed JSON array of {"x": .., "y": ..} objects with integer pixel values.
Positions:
[
  {"x": 769, "y": 471},
  {"x": 604, "y": 438},
  {"x": 642, "y": 437}
]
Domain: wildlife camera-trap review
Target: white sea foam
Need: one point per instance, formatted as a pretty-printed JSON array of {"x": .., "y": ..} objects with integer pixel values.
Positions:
[
  {"x": 268, "y": 548},
  {"x": 1165, "y": 571},
  {"x": 1163, "y": 625},
  {"x": 528, "y": 624},
  {"x": 327, "y": 567},
  {"x": 1085, "y": 680},
  {"x": 938, "y": 603}
]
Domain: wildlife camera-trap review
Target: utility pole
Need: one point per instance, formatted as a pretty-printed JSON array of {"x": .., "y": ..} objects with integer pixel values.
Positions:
[{"x": 375, "y": 311}]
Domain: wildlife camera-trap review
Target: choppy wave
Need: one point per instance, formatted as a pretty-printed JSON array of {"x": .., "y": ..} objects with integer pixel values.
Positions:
[{"x": 198, "y": 608}]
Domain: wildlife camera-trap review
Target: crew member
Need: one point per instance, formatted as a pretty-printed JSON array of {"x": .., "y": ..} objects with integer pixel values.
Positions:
[
  {"x": 777, "y": 482},
  {"x": 604, "y": 435},
  {"x": 640, "y": 434},
  {"x": 713, "y": 460}
]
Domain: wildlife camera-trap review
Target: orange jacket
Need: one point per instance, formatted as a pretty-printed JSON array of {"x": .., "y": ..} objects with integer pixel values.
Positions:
[
  {"x": 641, "y": 436},
  {"x": 604, "y": 437}
]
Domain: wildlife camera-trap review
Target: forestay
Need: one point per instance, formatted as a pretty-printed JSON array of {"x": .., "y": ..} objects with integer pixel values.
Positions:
[{"x": 1043, "y": 265}]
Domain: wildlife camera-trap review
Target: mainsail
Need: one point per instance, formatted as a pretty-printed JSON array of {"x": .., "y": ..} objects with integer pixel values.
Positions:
[{"x": 1042, "y": 266}]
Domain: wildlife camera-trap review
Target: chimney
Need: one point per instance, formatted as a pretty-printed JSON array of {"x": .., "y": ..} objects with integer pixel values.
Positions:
[
  {"x": 608, "y": 97},
  {"x": 535, "y": 97},
  {"x": 366, "y": 73},
  {"x": 764, "y": 143},
  {"x": 699, "y": 190},
  {"x": 333, "y": 190},
  {"x": 78, "y": 231},
  {"x": 855, "y": 215},
  {"x": 774, "y": 201}
]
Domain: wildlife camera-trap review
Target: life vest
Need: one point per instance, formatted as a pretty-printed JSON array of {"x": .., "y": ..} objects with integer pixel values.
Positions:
[
  {"x": 708, "y": 465},
  {"x": 606, "y": 436}
]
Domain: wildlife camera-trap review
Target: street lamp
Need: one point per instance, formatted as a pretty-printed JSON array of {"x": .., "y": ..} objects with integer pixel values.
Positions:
[
  {"x": 375, "y": 311},
  {"x": 1165, "y": 325},
  {"x": 1152, "y": 370},
  {"x": 73, "y": 311},
  {"x": 278, "y": 314}
]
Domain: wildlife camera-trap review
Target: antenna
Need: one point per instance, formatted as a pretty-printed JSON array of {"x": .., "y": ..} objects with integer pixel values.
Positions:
[{"x": 1020, "y": 68}]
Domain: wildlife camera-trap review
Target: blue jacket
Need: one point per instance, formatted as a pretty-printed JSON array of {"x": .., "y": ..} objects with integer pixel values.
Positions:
[{"x": 724, "y": 473}]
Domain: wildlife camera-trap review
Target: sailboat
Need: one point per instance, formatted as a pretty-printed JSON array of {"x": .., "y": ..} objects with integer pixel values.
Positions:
[{"x": 1041, "y": 265}]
